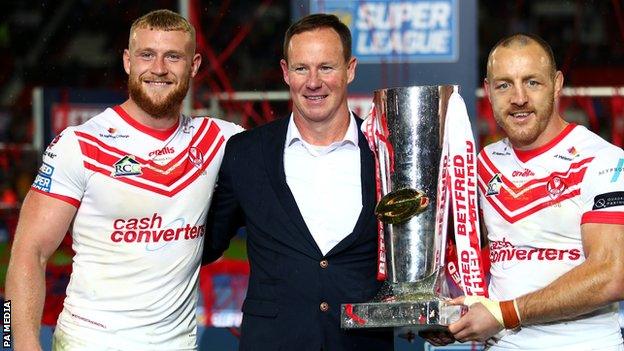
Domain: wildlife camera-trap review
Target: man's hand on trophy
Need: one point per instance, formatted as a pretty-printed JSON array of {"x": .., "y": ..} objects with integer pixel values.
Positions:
[{"x": 484, "y": 319}]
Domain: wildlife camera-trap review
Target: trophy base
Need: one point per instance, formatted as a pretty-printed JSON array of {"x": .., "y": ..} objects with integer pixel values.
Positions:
[{"x": 409, "y": 317}]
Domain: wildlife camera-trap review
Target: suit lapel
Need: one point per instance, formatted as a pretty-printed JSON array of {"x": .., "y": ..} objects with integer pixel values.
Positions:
[
  {"x": 367, "y": 178},
  {"x": 273, "y": 153},
  {"x": 367, "y": 169}
]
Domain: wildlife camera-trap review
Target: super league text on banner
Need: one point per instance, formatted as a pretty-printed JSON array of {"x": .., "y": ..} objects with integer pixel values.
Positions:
[{"x": 398, "y": 31}]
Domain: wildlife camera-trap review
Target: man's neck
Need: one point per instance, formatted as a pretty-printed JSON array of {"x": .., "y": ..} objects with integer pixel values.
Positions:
[
  {"x": 323, "y": 133},
  {"x": 144, "y": 118}
]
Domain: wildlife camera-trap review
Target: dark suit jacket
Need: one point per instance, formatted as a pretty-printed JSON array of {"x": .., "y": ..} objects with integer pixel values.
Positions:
[{"x": 288, "y": 282}]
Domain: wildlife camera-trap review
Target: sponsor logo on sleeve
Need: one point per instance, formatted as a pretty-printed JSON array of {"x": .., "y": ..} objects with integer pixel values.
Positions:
[
  {"x": 54, "y": 141},
  {"x": 617, "y": 171},
  {"x": 43, "y": 181},
  {"x": 126, "y": 166},
  {"x": 612, "y": 199},
  {"x": 49, "y": 154}
]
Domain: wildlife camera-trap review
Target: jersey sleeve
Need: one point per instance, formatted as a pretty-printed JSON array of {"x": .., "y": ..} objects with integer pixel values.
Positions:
[
  {"x": 602, "y": 190},
  {"x": 62, "y": 174},
  {"x": 228, "y": 128}
]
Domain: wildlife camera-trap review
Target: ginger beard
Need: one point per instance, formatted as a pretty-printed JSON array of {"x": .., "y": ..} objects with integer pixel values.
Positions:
[
  {"x": 157, "y": 105},
  {"x": 523, "y": 88},
  {"x": 525, "y": 133}
]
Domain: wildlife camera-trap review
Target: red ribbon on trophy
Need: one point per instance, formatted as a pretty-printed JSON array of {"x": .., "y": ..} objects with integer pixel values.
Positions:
[
  {"x": 457, "y": 185},
  {"x": 371, "y": 128},
  {"x": 459, "y": 178}
]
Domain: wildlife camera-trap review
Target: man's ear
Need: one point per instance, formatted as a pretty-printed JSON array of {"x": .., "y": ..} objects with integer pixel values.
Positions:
[
  {"x": 351, "y": 69},
  {"x": 126, "y": 61},
  {"x": 197, "y": 59},
  {"x": 486, "y": 88},
  {"x": 558, "y": 84},
  {"x": 285, "y": 71}
]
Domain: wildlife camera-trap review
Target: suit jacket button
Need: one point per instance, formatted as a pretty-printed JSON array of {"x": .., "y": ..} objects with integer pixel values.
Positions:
[
  {"x": 324, "y": 264},
  {"x": 324, "y": 306}
]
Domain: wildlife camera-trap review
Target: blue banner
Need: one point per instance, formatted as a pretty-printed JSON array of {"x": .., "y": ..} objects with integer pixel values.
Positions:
[{"x": 388, "y": 31}]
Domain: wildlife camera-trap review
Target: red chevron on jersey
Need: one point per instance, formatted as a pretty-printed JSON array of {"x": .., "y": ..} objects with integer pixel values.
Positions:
[
  {"x": 514, "y": 202},
  {"x": 179, "y": 184},
  {"x": 487, "y": 169},
  {"x": 165, "y": 179},
  {"x": 206, "y": 133}
]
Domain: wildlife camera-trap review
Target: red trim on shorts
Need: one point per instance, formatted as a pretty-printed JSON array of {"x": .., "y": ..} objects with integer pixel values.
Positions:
[
  {"x": 526, "y": 155},
  {"x": 604, "y": 217},
  {"x": 158, "y": 134},
  {"x": 69, "y": 200}
]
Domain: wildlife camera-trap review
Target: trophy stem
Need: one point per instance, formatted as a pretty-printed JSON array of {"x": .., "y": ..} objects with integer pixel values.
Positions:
[{"x": 424, "y": 289}]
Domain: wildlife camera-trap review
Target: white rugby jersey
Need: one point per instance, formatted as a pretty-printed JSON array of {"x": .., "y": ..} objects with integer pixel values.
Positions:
[
  {"x": 142, "y": 196},
  {"x": 533, "y": 204}
]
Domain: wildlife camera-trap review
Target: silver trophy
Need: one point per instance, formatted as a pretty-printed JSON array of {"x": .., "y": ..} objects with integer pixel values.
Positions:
[{"x": 409, "y": 124}]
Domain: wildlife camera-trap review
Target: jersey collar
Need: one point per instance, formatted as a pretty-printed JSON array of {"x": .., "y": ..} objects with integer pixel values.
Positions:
[
  {"x": 156, "y": 133},
  {"x": 526, "y": 155}
]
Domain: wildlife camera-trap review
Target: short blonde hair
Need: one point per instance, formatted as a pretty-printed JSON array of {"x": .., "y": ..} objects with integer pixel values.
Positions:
[{"x": 165, "y": 20}]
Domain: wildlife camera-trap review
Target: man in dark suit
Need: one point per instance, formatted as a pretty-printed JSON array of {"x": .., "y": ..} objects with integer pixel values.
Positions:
[{"x": 305, "y": 188}]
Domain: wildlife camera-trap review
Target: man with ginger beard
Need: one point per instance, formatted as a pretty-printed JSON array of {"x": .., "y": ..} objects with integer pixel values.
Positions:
[
  {"x": 556, "y": 283},
  {"x": 132, "y": 185}
]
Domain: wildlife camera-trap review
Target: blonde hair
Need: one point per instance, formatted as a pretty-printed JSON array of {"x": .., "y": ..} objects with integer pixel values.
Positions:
[{"x": 165, "y": 20}]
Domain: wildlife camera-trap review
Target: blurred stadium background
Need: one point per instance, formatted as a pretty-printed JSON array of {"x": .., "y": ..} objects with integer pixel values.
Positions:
[{"x": 61, "y": 64}]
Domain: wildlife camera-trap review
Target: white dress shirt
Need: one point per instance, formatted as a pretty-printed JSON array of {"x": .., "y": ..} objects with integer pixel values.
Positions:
[{"x": 326, "y": 184}]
